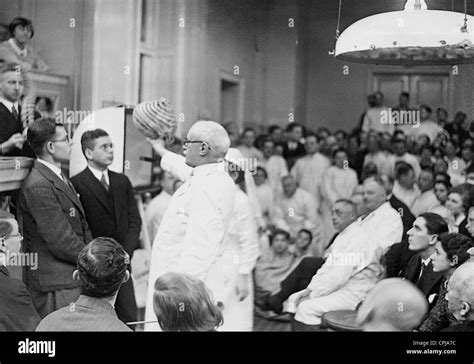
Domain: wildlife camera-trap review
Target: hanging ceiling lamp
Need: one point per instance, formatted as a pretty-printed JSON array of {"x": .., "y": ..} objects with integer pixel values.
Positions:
[{"x": 414, "y": 36}]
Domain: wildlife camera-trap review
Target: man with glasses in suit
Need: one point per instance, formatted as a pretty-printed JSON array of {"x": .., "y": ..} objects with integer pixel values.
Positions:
[{"x": 52, "y": 219}]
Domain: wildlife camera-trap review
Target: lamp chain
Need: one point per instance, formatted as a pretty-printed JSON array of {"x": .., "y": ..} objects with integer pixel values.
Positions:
[
  {"x": 338, "y": 19},
  {"x": 464, "y": 27}
]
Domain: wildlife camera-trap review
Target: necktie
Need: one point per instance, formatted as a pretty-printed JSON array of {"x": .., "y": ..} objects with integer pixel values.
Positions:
[
  {"x": 67, "y": 182},
  {"x": 104, "y": 182},
  {"x": 14, "y": 112}
]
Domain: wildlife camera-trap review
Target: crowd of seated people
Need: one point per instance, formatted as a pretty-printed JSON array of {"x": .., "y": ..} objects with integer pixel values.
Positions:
[{"x": 398, "y": 198}]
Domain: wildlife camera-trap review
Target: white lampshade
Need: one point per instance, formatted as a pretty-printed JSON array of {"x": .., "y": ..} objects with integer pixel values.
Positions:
[{"x": 410, "y": 37}]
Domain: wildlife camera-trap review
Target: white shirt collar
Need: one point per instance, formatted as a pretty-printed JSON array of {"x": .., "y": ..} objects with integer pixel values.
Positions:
[
  {"x": 205, "y": 169},
  {"x": 56, "y": 170},
  {"x": 98, "y": 174},
  {"x": 23, "y": 52},
  {"x": 9, "y": 104}
]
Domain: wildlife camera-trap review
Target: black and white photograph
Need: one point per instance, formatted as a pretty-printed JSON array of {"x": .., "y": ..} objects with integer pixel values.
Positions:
[{"x": 293, "y": 171}]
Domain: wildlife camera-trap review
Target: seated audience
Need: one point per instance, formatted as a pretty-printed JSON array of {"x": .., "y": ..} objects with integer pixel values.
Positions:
[
  {"x": 183, "y": 303},
  {"x": 380, "y": 158},
  {"x": 338, "y": 182},
  {"x": 383, "y": 224},
  {"x": 456, "y": 165},
  {"x": 441, "y": 189},
  {"x": 303, "y": 246},
  {"x": 422, "y": 238},
  {"x": 393, "y": 305},
  {"x": 400, "y": 154},
  {"x": 293, "y": 148},
  {"x": 294, "y": 210},
  {"x": 308, "y": 170},
  {"x": 17, "y": 312},
  {"x": 427, "y": 198},
  {"x": 458, "y": 204},
  {"x": 274, "y": 165},
  {"x": 247, "y": 148},
  {"x": 405, "y": 188},
  {"x": 344, "y": 216},
  {"x": 274, "y": 264},
  {"x": 101, "y": 270},
  {"x": 351, "y": 270},
  {"x": 460, "y": 297},
  {"x": 264, "y": 195},
  {"x": 451, "y": 251}
]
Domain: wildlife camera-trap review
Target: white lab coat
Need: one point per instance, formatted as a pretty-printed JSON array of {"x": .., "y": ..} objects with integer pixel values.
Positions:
[
  {"x": 240, "y": 256},
  {"x": 191, "y": 235}
]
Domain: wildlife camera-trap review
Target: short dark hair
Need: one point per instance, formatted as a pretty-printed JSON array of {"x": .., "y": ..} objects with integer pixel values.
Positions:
[
  {"x": 339, "y": 150},
  {"x": 291, "y": 126},
  {"x": 40, "y": 132},
  {"x": 20, "y": 21},
  {"x": 402, "y": 169},
  {"x": 276, "y": 232},
  {"x": 102, "y": 266},
  {"x": 445, "y": 183},
  {"x": 88, "y": 138},
  {"x": 314, "y": 135},
  {"x": 272, "y": 128},
  {"x": 434, "y": 223},
  {"x": 466, "y": 191},
  {"x": 406, "y": 94},
  {"x": 456, "y": 246},
  {"x": 182, "y": 303},
  {"x": 306, "y": 231}
]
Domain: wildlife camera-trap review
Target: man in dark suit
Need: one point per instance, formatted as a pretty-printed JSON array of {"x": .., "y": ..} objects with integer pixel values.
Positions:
[
  {"x": 110, "y": 206},
  {"x": 17, "y": 312},
  {"x": 293, "y": 148},
  {"x": 12, "y": 140},
  {"x": 52, "y": 219},
  {"x": 422, "y": 238},
  {"x": 398, "y": 255},
  {"x": 101, "y": 270}
]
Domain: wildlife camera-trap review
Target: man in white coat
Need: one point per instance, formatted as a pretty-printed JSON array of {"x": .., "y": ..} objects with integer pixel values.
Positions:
[{"x": 191, "y": 236}]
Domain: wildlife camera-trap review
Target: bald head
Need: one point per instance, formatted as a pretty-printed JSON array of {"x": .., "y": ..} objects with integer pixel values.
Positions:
[
  {"x": 394, "y": 304},
  {"x": 208, "y": 142},
  {"x": 460, "y": 294}
]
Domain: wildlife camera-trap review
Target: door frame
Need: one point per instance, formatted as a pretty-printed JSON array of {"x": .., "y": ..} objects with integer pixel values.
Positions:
[
  {"x": 240, "y": 82},
  {"x": 404, "y": 70}
]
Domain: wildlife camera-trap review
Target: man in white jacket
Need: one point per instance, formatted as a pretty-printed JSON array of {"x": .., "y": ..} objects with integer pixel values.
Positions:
[{"x": 191, "y": 236}]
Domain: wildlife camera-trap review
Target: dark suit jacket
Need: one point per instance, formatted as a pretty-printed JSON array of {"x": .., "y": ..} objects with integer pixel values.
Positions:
[
  {"x": 17, "y": 312},
  {"x": 429, "y": 282},
  {"x": 292, "y": 155},
  {"x": 54, "y": 226},
  {"x": 398, "y": 255},
  {"x": 114, "y": 215},
  {"x": 10, "y": 126},
  {"x": 86, "y": 314}
]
